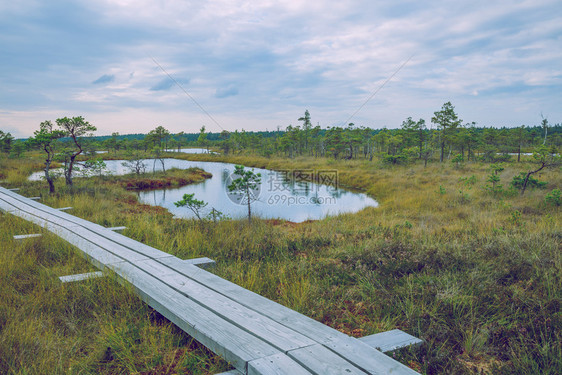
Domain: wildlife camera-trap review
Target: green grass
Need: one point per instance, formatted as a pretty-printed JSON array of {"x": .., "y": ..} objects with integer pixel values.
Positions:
[{"x": 476, "y": 275}]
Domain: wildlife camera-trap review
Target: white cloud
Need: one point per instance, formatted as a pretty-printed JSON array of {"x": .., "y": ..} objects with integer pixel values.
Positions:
[{"x": 280, "y": 57}]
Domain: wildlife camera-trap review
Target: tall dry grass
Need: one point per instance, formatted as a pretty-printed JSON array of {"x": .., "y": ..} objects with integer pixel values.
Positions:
[{"x": 476, "y": 275}]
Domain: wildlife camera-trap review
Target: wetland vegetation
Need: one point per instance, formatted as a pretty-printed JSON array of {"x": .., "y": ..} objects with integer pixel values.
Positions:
[{"x": 453, "y": 254}]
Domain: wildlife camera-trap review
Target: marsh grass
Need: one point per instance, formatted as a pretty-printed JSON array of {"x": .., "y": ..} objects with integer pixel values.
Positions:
[{"x": 476, "y": 275}]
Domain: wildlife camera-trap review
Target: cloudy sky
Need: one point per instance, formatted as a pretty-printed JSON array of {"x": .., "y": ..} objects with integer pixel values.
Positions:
[{"x": 257, "y": 65}]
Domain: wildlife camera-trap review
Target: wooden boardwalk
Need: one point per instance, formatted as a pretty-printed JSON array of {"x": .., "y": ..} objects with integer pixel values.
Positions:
[{"x": 253, "y": 333}]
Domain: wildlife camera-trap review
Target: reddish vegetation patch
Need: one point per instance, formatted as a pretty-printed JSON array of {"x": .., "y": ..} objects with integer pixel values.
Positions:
[
  {"x": 158, "y": 183},
  {"x": 275, "y": 222},
  {"x": 288, "y": 224},
  {"x": 41, "y": 166}
]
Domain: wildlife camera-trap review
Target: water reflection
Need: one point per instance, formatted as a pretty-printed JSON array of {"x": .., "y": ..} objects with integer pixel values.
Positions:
[{"x": 286, "y": 194}]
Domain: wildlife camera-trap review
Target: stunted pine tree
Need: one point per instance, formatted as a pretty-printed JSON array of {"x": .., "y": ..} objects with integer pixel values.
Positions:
[
  {"x": 75, "y": 128},
  {"x": 46, "y": 138},
  {"x": 246, "y": 186}
]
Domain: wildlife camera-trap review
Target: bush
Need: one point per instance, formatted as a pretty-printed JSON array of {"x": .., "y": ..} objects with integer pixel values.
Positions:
[
  {"x": 554, "y": 198},
  {"x": 403, "y": 157},
  {"x": 519, "y": 180}
]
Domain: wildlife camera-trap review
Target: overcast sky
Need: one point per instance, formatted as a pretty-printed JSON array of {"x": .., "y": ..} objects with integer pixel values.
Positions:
[{"x": 257, "y": 65}]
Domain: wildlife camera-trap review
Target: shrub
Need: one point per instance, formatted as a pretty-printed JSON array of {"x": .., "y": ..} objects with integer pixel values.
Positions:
[
  {"x": 554, "y": 198},
  {"x": 519, "y": 180}
]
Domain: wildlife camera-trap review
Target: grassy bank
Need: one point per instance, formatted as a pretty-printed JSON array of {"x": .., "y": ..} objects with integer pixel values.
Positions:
[{"x": 476, "y": 275}]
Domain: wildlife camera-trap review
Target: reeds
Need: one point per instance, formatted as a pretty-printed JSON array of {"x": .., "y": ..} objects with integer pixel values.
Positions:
[{"x": 476, "y": 275}]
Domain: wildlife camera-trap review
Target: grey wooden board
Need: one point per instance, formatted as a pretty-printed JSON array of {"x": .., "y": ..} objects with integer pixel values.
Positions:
[
  {"x": 7, "y": 207},
  {"x": 203, "y": 262},
  {"x": 64, "y": 208},
  {"x": 357, "y": 352},
  {"x": 97, "y": 255},
  {"x": 320, "y": 360},
  {"x": 139, "y": 247},
  {"x": 62, "y": 218},
  {"x": 34, "y": 198},
  {"x": 35, "y": 209},
  {"x": 24, "y": 236},
  {"x": 14, "y": 189},
  {"x": 117, "y": 228},
  {"x": 259, "y": 325},
  {"x": 366, "y": 357},
  {"x": 232, "y": 343},
  {"x": 28, "y": 208},
  {"x": 111, "y": 246},
  {"x": 277, "y": 364},
  {"x": 80, "y": 277},
  {"x": 391, "y": 340}
]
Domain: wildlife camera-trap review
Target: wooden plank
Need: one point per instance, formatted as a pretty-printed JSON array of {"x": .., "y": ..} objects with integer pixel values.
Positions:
[
  {"x": 34, "y": 198},
  {"x": 80, "y": 277},
  {"x": 117, "y": 228},
  {"x": 24, "y": 236},
  {"x": 202, "y": 262},
  {"x": 97, "y": 255},
  {"x": 57, "y": 223},
  {"x": 259, "y": 325},
  {"x": 319, "y": 360},
  {"x": 7, "y": 207},
  {"x": 44, "y": 218},
  {"x": 390, "y": 340},
  {"x": 31, "y": 208},
  {"x": 367, "y": 358},
  {"x": 131, "y": 244},
  {"x": 64, "y": 208},
  {"x": 277, "y": 364},
  {"x": 94, "y": 253},
  {"x": 14, "y": 189},
  {"x": 254, "y": 301},
  {"x": 358, "y": 353},
  {"x": 232, "y": 343},
  {"x": 110, "y": 246}
]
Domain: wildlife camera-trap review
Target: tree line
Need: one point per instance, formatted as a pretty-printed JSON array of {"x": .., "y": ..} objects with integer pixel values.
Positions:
[{"x": 444, "y": 137}]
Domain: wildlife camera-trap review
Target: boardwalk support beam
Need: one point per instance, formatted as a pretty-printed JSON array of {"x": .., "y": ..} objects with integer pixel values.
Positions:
[
  {"x": 390, "y": 340},
  {"x": 117, "y": 228},
  {"x": 24, "y": 236},
  {"x": 80, "y": 277}
]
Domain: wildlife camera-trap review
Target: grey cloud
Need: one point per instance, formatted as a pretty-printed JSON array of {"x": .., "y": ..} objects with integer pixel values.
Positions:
[
  {"x": 106, "y": 78},
  {"x": 167, "y": 83},
  {"x": 225, "y": 92}
]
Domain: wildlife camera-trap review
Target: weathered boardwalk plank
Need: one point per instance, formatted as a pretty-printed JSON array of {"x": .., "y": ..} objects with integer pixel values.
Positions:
[
  {"x": 25, "y": 236},
  {"x": 80, "y": 277},
  {"x": 232, "y": 343},
  {"x": 277, "y": 335},
  {"x": 117, "y": 228},
  {"x": 390, "y": 340},
  {"x": 256, "y": 335},
  {"x": 358, "y": 353}
]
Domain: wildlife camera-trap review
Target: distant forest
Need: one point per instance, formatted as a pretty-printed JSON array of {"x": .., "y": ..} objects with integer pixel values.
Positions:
[{"x": 445, "y": 138}]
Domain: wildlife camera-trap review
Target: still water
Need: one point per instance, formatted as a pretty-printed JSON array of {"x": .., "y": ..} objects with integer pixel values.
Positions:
[{"x": 293, "y": 195}]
